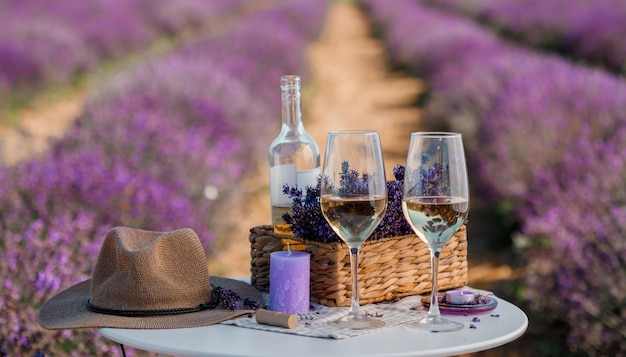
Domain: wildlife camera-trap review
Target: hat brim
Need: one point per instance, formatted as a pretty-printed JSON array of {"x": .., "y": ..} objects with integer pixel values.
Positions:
[{"x": 68, "y": 310}]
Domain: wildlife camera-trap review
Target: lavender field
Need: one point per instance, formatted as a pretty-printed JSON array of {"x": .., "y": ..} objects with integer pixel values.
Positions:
[
  {"x": 586, "y": 31},
  {"x": 165, "y": 143},
  {"x": 154, "y": 148},
  {"x": 47, "y": 43},
  {"x": 547, "y": 143}
]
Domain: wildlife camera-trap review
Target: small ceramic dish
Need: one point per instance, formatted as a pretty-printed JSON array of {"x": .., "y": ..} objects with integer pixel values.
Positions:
[
  {"x": 460, "y": 297},
  {"x": 480, "y": 304}
]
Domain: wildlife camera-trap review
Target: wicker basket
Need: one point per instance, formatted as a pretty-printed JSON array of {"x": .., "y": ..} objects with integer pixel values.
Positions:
[{"x": 388, "y": 268}]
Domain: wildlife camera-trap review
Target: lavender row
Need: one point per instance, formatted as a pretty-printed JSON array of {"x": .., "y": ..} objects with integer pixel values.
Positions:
[
  {"x": 547, "y": 137},
  {"x": 48, "y": 42},
  {"x": 160, "y": 147},
  {"x": 587, "y": 30}
]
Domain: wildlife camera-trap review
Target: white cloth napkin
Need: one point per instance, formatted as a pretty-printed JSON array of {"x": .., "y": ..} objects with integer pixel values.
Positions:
[{"x": 392, "y": 313}]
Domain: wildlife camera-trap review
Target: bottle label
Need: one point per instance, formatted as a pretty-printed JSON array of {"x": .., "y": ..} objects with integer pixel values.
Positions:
[
  {"x": 287, "y": 174},
  {"x": 279, "y": 176},
  {"x": 307, "y": 177}
]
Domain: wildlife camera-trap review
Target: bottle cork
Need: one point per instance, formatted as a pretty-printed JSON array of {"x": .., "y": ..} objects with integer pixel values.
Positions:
[{"x": 276, "y": 318}]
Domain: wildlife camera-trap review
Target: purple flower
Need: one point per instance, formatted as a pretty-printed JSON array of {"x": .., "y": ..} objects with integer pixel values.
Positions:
[{"x": 582, "y": 29}]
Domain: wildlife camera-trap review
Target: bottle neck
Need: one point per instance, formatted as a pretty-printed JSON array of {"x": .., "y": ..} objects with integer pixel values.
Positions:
[{"x": 291, "y": 102}]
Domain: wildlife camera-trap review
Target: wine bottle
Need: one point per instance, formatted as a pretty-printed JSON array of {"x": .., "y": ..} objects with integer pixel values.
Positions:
[{"x": 294, "y": 157}]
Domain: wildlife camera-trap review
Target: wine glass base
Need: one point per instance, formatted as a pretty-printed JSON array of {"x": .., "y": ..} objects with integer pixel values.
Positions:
[
  {"x": 357, "y": 322},
  {"x": 434, "y": 324}
]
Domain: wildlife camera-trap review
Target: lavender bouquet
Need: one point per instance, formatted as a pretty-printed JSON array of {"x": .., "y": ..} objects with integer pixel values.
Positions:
[{"x": 307, "y": 221}]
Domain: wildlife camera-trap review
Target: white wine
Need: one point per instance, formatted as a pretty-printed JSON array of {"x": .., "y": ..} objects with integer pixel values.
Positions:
[
  {"x": 353, "y": 219},
  {"x": 280, "y": 226},
  {"x": 435, "y": 219}
]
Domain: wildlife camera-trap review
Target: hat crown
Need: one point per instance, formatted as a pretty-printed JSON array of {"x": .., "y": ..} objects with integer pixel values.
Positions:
[{"x": 140, "y": 270}]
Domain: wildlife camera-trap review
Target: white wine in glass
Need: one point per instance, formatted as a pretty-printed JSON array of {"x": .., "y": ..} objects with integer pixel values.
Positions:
[
  {"x": 436, "y": 204},
  {"x": 353, "y": 200}
]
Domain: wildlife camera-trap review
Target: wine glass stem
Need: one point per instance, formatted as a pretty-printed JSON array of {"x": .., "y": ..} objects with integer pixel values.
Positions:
[
  {"x": 355, "y": 307},
  {"x": 433, "y": 310}
]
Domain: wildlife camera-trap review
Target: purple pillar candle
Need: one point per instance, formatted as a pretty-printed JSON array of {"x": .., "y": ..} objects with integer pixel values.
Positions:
[{"x": 290, "y": 275}]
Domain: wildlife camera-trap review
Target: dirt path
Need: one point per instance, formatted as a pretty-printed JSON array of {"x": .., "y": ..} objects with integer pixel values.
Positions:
[
  {"x": 37, "y": 124},
  {"x": 353, "y": 88}
]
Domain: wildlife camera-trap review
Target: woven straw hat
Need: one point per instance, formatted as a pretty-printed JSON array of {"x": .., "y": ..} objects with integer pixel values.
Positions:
[{"x": 145, "y": 280}]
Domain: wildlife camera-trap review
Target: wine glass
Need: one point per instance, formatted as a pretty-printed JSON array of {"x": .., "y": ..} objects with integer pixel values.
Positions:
[
  {"x": 436, "y": 204},
  {"x": 353, "y": 200}
]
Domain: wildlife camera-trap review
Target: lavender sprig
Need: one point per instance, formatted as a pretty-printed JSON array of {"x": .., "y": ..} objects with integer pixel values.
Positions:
[
  {"x": 350, "y": 184},
  {"x": 228, "y": 299},
  {"x": 306, "y": 219}
]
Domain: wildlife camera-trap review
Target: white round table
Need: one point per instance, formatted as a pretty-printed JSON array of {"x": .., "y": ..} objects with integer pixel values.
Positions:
[{"x": 232, "y": 341}]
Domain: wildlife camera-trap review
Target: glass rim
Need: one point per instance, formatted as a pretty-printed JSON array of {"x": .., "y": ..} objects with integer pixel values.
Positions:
[
  {"x": 436, "y": 134},
  {"x": 354, "y": 132}
]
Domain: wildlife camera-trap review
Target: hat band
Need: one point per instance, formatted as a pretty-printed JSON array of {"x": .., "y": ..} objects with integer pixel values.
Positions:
[{"x": 143, "y": 313}]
